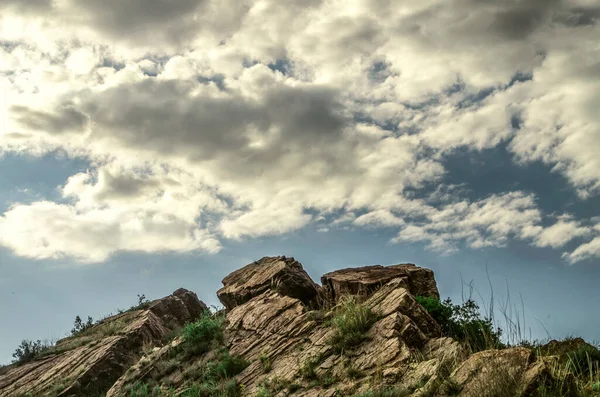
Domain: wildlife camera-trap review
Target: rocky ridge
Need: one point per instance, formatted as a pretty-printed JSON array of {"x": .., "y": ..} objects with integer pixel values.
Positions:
[{"x": 278, "y": 321}]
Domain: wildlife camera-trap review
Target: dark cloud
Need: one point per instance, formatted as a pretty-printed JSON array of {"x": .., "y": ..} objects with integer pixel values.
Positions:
[
  {"x": 66, "y": 119},
  {"x": 136, "y": 19},
  {"x": 124, "y": 186},
  {"x": 161, "y": 117},
  {"x": 27, "y": 6},
  {"x": 578, "y": 16}
]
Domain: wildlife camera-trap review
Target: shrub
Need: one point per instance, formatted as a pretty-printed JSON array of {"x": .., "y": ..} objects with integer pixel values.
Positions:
[
  {"x": 308, "y": 370},
  {"x": 352, "y": 321},
  {"x": 200, "y": 336},
  {"x": 266, "y": 363},
  {"x": 463, "y": 322},
  {"x": 79, "y": 326},
  {"x": 223, "y": 367},
  {"x": 143, "y": 303},
  {"x": 28, "y": 350}
]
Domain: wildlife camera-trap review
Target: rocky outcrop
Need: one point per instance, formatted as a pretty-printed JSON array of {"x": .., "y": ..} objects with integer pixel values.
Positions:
[
  {"x": 286, "y": 275},
  {"x": 365, "y": 280},
  {"x": 282, "y": 330},
  {"x": 274, "y": 322},
  {"x": 89, "y": 363}
]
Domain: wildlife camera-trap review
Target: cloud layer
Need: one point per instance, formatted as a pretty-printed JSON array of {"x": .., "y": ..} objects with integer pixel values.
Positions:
[{"x": 212, "y": 120}]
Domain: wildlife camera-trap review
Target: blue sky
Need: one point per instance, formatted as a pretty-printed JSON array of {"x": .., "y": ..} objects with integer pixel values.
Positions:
[{"x": 143, "y": 149}]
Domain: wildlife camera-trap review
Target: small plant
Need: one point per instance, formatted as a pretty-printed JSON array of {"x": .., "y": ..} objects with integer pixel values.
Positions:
[
  {"x": 142, "y": 304},
  {"x": 266, "y": 363},
  {"x": 294, "y": 387},
  {"x": 354, "y": 373},
  {"x": 263, "y": 391},
  {"x": 451, "y": 387},
  {"x": 276, "y": 285},
  {"x": 142, "y": 390},
  {"x": 308, "y": 370},
  {"x": 351, "y": 321},
  {"x": 112, "y": 328},
  {"x": 224, "y": 366},
  {"x": 165, "y": 367}
]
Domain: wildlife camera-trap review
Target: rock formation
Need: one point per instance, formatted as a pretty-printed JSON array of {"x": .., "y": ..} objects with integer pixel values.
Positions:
[
  {"x": 90, "y": 363},
  {"x": 280, "y": 322}
]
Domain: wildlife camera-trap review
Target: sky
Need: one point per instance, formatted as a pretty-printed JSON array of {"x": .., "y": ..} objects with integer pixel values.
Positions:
[{"x": 150, "y": 145}]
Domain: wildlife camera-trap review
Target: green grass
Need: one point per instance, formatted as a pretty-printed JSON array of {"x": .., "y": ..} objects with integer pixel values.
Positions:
[
  {"x": 352, "y": 320},
  {"x": 224, "y": 366},
  {"x": 265, "y": 362},
  {"x": 308, "y": 370},
  {"x": 202, "y": 335}
]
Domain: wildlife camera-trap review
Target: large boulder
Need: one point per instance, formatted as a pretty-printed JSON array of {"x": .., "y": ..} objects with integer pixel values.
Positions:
[
  {"x": 365, "y": 280},
  {"x": 177, "y": 309},
  {"x": 283, "y": 275}
]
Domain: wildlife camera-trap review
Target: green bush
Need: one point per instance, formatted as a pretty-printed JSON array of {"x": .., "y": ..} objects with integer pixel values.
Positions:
[
  {"x": 224, "y": 366},
  {"x": 28, "y": 350},
  {"x": 200, "y": 336},
  {"x": 463, "y": 322},
  {"x": 351, "y": 321}
]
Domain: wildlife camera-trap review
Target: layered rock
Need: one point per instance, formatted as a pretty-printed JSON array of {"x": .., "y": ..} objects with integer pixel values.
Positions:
[
  {"x": 286, "y": 275},
  {"x": 89, "y": 363},
  {"x": 366, "y": 280},
  {"x": 273, "y": 323}
]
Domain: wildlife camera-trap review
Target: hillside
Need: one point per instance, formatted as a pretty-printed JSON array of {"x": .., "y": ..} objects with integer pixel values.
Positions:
[{"x": 370, "y": 331}]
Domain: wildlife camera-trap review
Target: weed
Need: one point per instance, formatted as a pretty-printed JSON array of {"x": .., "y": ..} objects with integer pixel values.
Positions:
[
  {"x": 351, "y": 321},
  {"x": 451, "y": 387},
  {"x": 354, "y": 373},
  {"x": 294, "y": 387},
  {"x": 266, "y": 363},
  {"x": 200, "y": 336},
  {"x": 223, "y": 367},
  {"x": 308, "y": 370}
]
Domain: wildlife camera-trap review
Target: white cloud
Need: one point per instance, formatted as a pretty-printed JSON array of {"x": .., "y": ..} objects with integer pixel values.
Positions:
[
  {"x": 370, "y": 99},
  {"x": 585, "y": 251},
  {"x": 560, "y": 233},
  {"x": 45, "y": 230},
  {"x": 379, "y": 218}
]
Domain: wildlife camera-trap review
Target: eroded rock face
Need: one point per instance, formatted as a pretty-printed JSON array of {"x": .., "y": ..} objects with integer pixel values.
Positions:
[
  {"x": 270, "y": 317},
  {"x": 285, "y": 275},
  {"x": 365, "y": 280},
  {"x": 291, "y": 336},
  {"x": 91, "y": 362}
]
